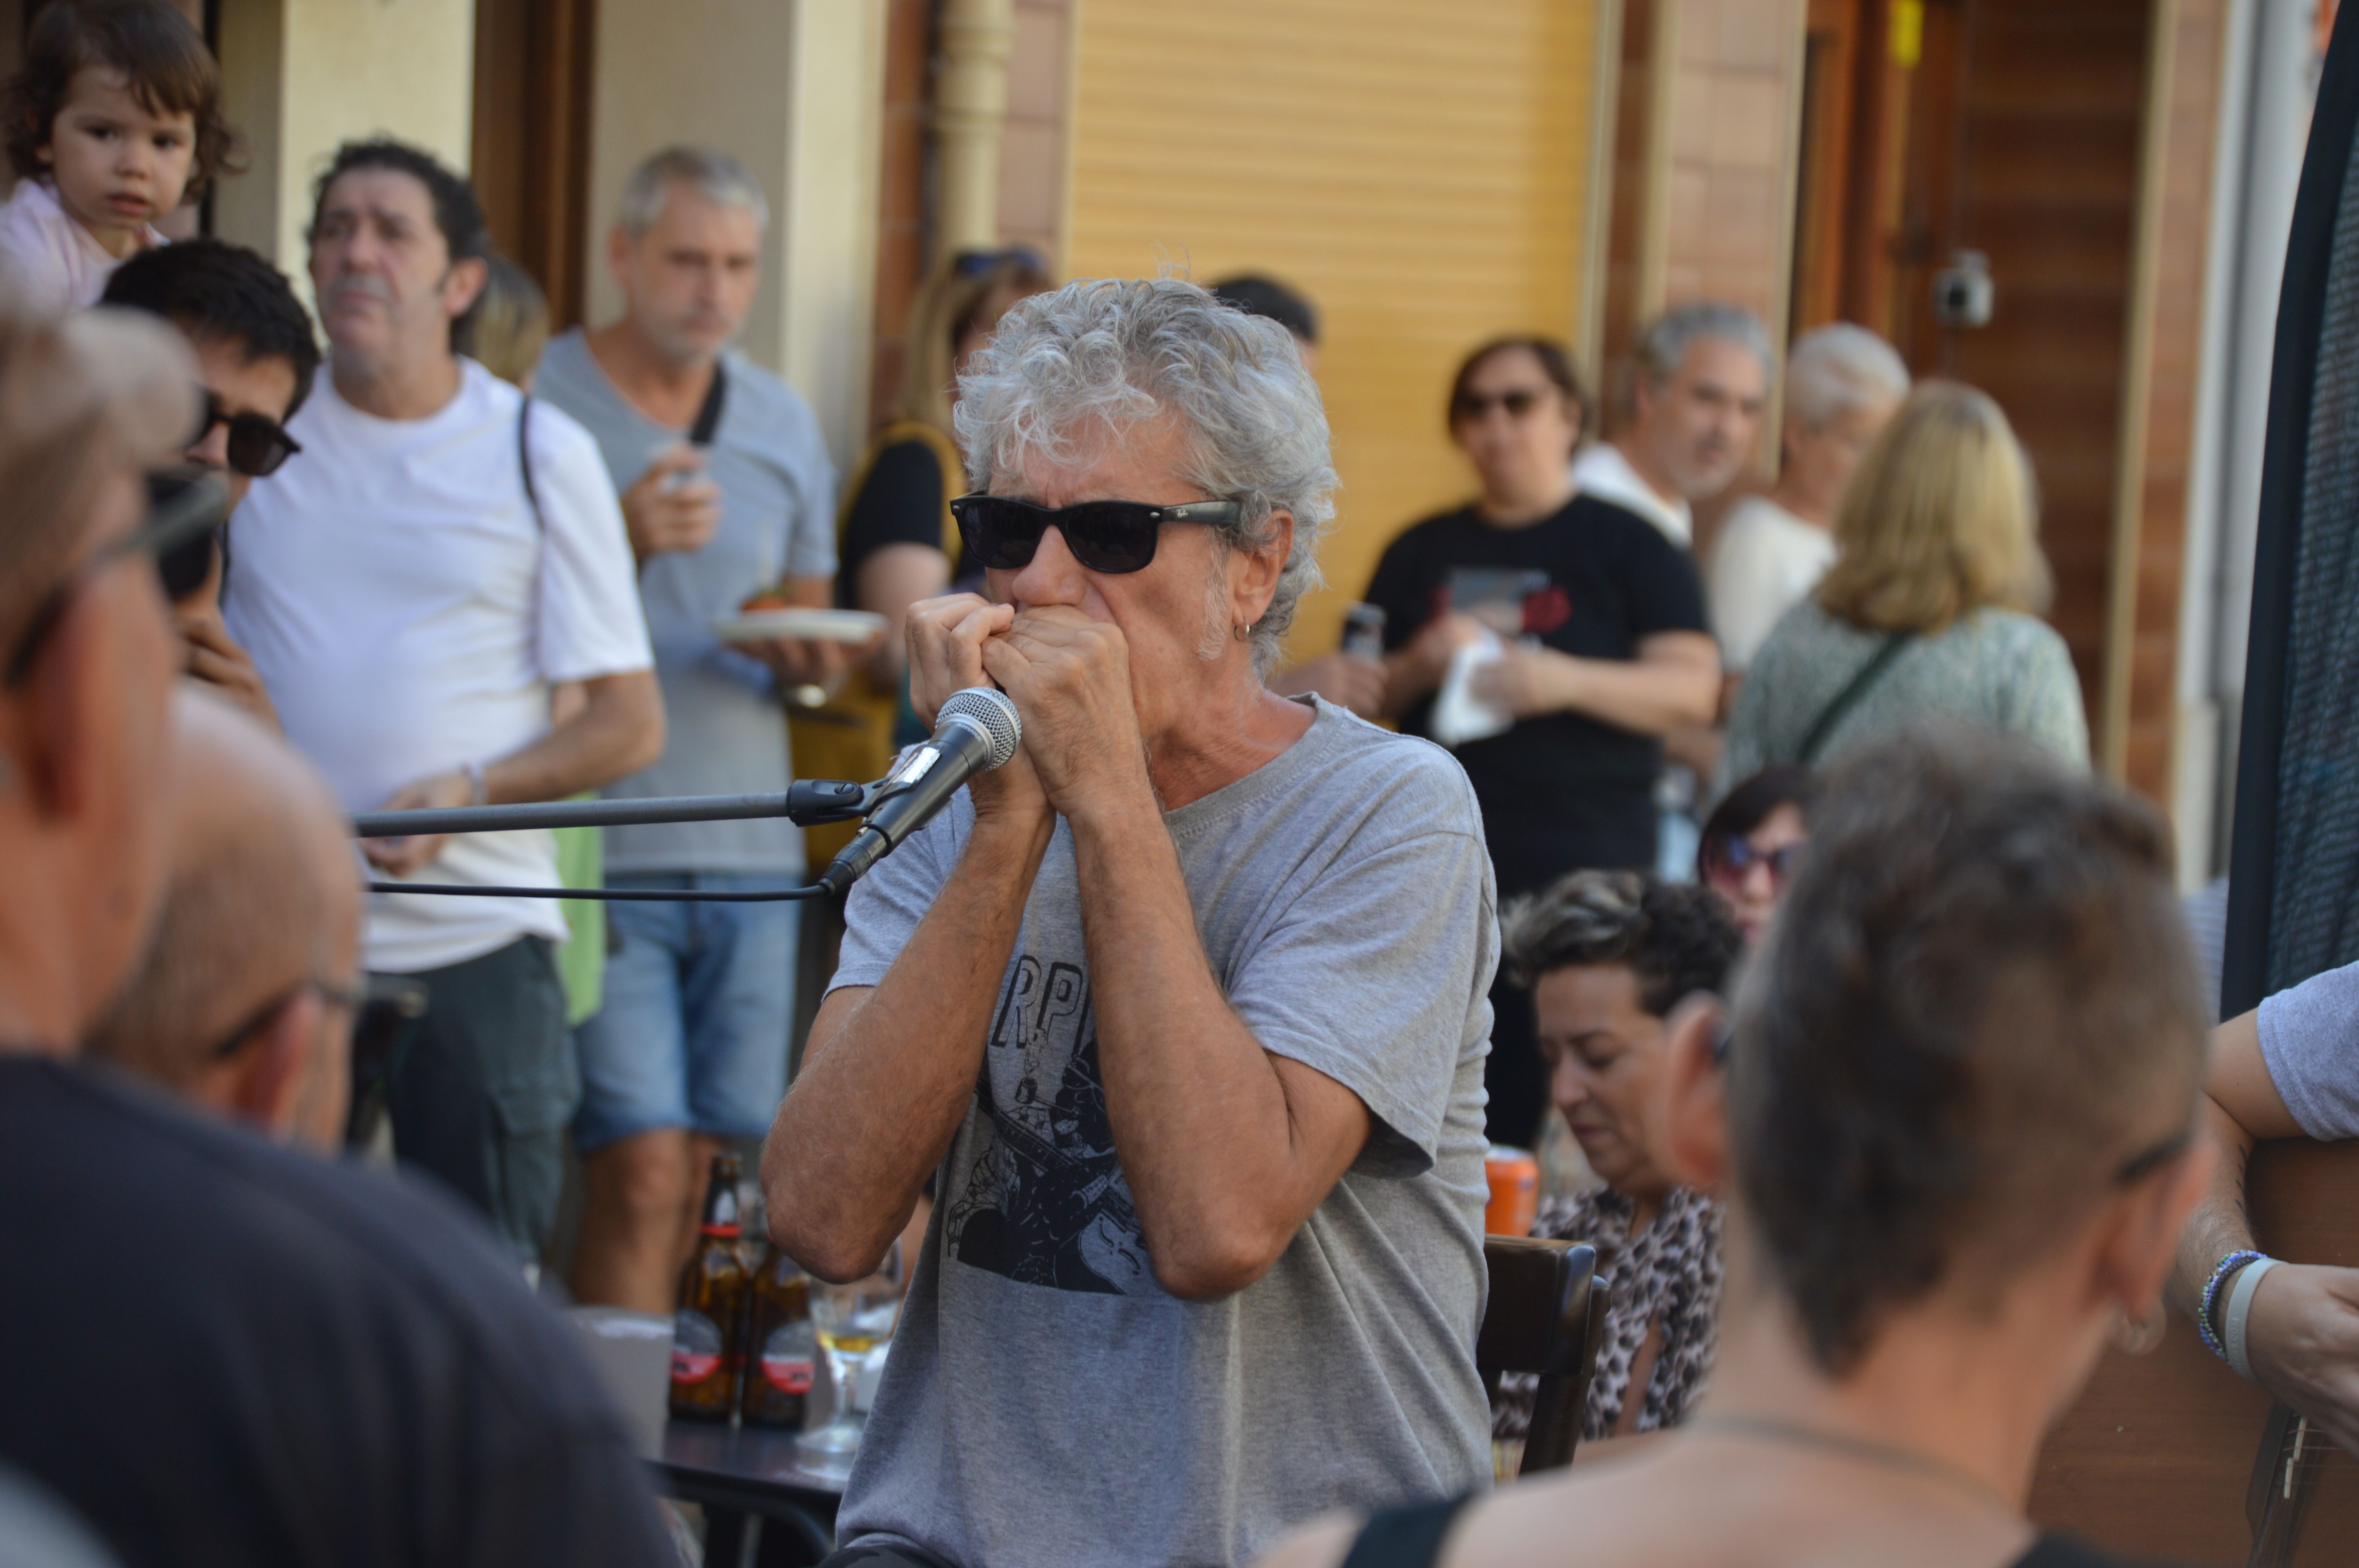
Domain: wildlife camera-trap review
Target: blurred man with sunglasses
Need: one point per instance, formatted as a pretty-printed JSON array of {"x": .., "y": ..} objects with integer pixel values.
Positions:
[
  {"x": 1186, "y": 1005},
  {"x": 442, "y": 555},
  {"x": 256, "y": 360},
  {"x": 219, "y": 1350}
]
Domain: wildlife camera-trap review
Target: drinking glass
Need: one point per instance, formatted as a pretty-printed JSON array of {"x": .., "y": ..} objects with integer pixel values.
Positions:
[{"x": 850, "y": 1321}]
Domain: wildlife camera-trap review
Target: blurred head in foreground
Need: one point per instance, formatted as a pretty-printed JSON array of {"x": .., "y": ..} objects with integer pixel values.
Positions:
[
  {"x": 246, "y": 998},
  {"x": 1962, "y": 1090}
]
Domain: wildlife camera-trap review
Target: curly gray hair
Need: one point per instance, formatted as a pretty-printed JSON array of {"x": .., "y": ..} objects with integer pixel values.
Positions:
[{"x": 1087, "y": 363}]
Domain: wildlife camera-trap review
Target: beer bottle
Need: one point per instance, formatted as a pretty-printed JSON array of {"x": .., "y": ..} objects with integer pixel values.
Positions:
[
  {"x": 781, "y": 1351},
  {"x": 709, "y": 1330}
]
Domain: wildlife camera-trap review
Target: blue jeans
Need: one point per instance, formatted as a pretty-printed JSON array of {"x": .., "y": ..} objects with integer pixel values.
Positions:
[{"x": 699, "y": 1002}]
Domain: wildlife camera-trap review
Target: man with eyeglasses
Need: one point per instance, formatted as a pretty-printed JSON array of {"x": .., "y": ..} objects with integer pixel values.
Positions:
[
  {"x": 442, "y": 555},
  {"x": 247, "y": 996},
  {"x": 1184, "y": 1008},
  {"x": 256, "y": 360},
  {"x": 219, "y": 1350}
]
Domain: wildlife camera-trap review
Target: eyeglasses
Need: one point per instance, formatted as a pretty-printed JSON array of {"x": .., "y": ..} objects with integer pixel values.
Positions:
[
  {"x": 1468, "y": 406},
  {"x": 1112, "y": 537},
  {"x": 974, "y": 264},
  {"x": 193, "y": 505},
  {"x": 353, "y": 996},
  {"x": 257, "y": 444},
  {"x": 1728, "y": 861}
]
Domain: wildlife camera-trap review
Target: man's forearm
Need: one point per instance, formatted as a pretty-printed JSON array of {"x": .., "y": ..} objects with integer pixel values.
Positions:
[
  {"x": 2221, "y": 1223},
  {"x": 881, "y": 1096},
  {"x": 1201, "y": 1119},
  {"x": 1646, "y": 697},
  {"x": 619, "y": 730}
]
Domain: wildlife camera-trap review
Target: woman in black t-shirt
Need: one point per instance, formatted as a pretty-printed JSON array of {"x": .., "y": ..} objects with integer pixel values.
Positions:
[{"x": 1606, "y": 648}]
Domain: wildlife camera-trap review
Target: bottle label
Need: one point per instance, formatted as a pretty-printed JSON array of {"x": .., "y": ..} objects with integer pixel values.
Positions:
[
  {"x": 789, "y": 1357},
  {"x": 696, "y": 1346}
]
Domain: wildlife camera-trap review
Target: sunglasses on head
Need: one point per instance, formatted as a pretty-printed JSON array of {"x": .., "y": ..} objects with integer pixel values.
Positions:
[
  {"x": 1105, "y": 535},
  {"x": 257, "y": 444},
  {"x": 184, "y": 507},
  {"x": 1470, "y": 406},
  {"x": 1731, "y": 859},
  {"x": 974, "y": 264}
]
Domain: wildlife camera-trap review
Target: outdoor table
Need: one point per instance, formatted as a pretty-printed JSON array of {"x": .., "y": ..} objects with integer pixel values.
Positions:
[{"x": 734, "y": 1472}]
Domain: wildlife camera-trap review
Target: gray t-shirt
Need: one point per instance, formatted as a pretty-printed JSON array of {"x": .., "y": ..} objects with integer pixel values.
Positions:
[
  {"x": 725, "y": 734},
  {"x": 2310, "y": 1039},
  {"x": 1047, "y": 1404}
]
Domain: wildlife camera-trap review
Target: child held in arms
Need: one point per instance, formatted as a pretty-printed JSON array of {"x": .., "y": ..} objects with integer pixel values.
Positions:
[{"x": 114, "y": 122}]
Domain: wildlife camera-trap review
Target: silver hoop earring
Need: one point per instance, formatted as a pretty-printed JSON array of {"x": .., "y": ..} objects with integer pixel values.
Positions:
[{"x": 1242, "y": 630}]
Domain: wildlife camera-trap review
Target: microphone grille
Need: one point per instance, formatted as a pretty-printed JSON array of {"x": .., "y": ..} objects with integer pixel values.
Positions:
[{"x": 989, "y": 709}]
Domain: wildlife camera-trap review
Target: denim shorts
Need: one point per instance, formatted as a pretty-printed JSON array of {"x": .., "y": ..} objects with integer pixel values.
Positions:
[{"x": 698, "y": 1007}]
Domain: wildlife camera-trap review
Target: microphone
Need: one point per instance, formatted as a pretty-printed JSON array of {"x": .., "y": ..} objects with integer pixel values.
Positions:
[{"x": 976, "y": 731}]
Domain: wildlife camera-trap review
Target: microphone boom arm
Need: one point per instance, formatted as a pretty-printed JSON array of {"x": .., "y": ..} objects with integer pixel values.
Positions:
[{"x": 808, "y": 804}]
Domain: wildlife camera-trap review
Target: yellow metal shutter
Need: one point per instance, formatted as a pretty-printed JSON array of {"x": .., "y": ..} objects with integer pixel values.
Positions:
[{"x": 1417, "y": 166}]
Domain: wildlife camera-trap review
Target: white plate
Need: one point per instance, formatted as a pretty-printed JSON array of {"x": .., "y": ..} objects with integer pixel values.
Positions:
[{"x": 804, "y": 625}]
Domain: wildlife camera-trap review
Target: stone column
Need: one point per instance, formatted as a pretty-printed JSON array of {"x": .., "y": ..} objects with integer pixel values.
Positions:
[{"x": 970, "y": 101}]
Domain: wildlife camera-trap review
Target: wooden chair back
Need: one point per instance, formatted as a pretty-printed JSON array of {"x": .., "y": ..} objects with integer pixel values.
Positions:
[{"x": 1545, "y": 1318}]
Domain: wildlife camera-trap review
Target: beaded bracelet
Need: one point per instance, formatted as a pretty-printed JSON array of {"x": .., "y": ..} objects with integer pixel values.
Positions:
[{"x": 2228, "y": 1265}]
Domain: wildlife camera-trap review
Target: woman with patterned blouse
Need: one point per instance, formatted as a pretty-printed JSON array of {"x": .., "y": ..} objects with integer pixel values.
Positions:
[
  {"x": 1608, "y": 955},
  {"x": 1930, "y": 609}
]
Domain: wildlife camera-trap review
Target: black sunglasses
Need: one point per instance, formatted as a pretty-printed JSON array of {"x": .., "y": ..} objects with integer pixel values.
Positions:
[
  {"x": 973, "y": 263},
  {"x": 1728, "y": 859},
  {"x": 257, "y": 444},
  {"x": 1105, "y": 535},
  {"x": 1469, "y": 406},
  {"x": 184, "y": 508}
]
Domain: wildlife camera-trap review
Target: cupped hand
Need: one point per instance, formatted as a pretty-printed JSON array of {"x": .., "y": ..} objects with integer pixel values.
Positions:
[
  {"x": 946, "y": 638},
  {"x": 2302, "y": 1339},
  {"x": 672, "y": 506},
  {"x": 1520, "y": 683},
  {"x": 214, "y": 658},
  {"x": 1070, "y": 679},
  {"x": 400, "y": 856},
  {"x": 806, "y": 661}
]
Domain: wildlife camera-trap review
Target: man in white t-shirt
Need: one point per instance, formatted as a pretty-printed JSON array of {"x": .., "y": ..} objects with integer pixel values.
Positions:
[
  {"x": 1695, "y": 412},
  {"x": 1842, "y": 383},
  {"x": 410, "y": 594}
]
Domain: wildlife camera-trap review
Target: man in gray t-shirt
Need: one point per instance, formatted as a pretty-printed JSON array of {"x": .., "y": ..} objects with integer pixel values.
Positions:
[
  {"x": 2289, "y": 1068},
  {"x": 727, "y": 492},
  {"x": 1184, "y": 1009}
]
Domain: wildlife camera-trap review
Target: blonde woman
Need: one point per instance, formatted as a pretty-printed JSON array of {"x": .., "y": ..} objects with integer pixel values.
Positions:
[
  {"x": 895, "y": 541},
  {"x": 1929, "y": 609}
]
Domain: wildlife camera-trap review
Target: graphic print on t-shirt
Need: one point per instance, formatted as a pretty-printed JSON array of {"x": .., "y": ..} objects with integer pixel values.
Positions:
[{"x": 1042, "y": 1199}]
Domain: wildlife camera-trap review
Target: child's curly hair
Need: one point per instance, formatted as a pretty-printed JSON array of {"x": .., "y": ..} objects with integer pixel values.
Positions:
[{"x": 164, "y": 59}]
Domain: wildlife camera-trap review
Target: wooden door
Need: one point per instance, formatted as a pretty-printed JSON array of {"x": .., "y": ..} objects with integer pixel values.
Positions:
[{"x": 531, "y": 161}]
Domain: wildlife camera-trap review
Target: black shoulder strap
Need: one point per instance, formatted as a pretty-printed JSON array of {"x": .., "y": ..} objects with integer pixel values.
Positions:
[
  {"x": 524, "y": 460},
  {"x": 1895, "y": 642},
  {"x": 708, "y": 416},
  {"x": 1406, "y": 1538}
]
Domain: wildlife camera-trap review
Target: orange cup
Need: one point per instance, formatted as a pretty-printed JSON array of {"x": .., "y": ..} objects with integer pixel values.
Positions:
[{"x": 1515, "y": 1175}]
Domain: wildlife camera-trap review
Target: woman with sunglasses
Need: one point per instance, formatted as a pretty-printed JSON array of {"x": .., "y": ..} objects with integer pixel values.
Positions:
[
  {"x": 1752, "y": 841},
  {"x": 1609, "y": 957},
  {"x": 1601, "y": 647},
  {"x": 1956, "y": 1135}
]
